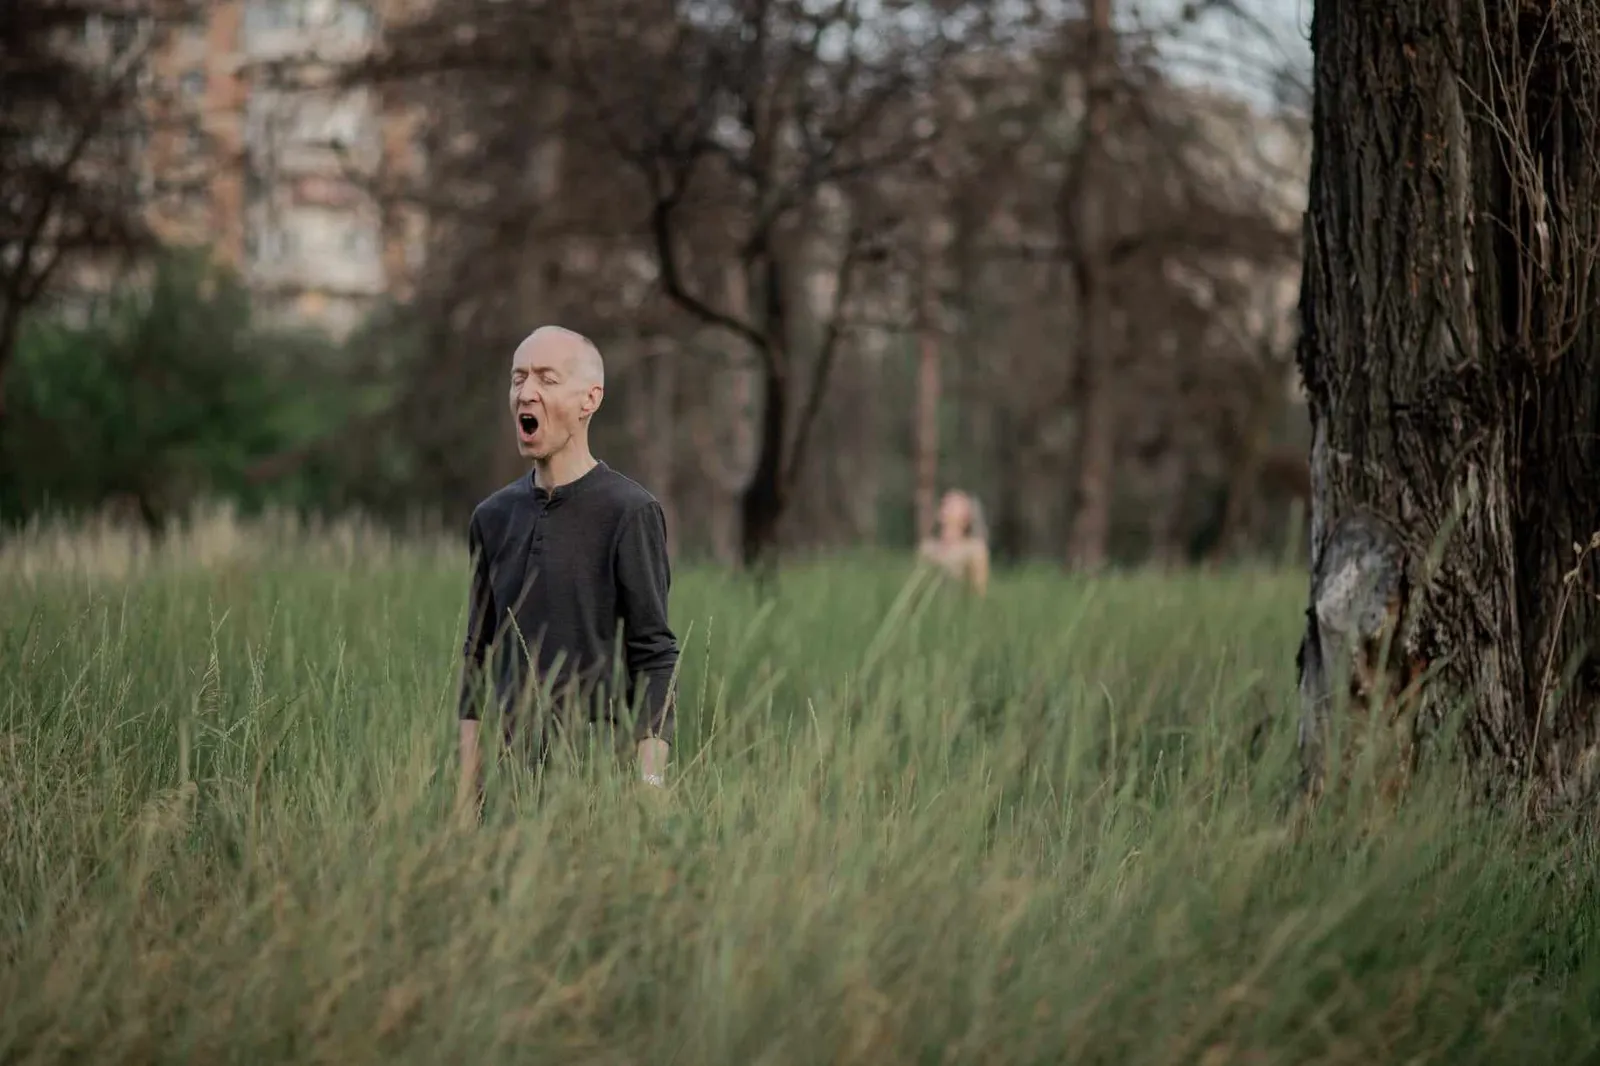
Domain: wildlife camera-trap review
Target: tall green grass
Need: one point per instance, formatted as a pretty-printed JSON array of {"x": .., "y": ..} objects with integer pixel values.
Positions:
[{"x": 1044, "y": 828}]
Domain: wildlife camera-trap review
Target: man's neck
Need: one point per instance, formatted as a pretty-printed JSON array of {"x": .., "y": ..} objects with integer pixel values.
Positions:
[{"x": 562, "y": 468}]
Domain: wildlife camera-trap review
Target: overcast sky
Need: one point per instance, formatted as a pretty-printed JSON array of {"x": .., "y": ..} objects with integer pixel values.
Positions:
[{"x": 1220, "y": 49}]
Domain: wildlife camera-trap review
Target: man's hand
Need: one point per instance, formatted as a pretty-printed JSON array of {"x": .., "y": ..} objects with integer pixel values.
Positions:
[
  {"x": 469, "y": 789},
  {"x": 653, "y": 761}
]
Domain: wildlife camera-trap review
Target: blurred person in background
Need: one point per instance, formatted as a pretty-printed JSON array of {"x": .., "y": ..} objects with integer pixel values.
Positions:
[
  {"x": 562, "y": 558},
  {"x": 960, "y": 544}
]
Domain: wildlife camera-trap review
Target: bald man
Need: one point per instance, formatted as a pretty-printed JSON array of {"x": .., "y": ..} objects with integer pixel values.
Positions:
[{"x": 566, "y": 559}]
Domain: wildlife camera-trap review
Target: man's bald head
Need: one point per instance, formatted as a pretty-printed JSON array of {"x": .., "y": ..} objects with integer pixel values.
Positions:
[{"x": 582, "y": 355}]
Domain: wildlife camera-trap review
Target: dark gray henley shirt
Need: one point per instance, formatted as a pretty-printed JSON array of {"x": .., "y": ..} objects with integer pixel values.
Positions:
[{"x": 557, "y": 574}]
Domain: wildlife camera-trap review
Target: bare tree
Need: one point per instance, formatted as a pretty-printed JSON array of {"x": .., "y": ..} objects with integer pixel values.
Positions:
[
  {"x": 1449, "y": 352},
  {"x": 71, "y": 129},
  {"x": 763, "y": 132},
  {"x": 808, "y": 187},
  {"x": 929, "y": 388},
  {"x": 1083, "y": 219},
  {"x": 520, "y": 215},
  {"x": 1111, "y": 208}
]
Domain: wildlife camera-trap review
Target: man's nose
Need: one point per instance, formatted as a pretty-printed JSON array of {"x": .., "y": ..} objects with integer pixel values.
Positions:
[{"x": 527, "y": 392}]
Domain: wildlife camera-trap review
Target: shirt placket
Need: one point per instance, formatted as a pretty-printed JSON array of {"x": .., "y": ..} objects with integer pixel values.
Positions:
[{"x": 541, "y": 512}]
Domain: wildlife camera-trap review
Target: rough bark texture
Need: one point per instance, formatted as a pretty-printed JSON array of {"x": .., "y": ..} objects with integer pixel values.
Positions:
[{"x": 1449, "y": 359}]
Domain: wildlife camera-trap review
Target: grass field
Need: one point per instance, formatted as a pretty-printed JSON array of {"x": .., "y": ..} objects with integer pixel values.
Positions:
[{"x": 1032, "y": 833}]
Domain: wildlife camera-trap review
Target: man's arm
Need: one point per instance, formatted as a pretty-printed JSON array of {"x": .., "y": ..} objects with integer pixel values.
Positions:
[
  {"x": 644, "y": 580},
  {"x": 474, "y": 652},
  {"x": 469, "y": 787}
]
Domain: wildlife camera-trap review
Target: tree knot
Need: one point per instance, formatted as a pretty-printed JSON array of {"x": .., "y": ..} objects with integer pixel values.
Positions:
[{"x": 1357, "y": 633}]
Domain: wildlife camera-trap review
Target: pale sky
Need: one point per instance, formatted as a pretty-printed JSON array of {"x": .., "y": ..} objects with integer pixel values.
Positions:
[
  {"x": 1243, "y": 45},
  {"x": 1239, "y": 52}
]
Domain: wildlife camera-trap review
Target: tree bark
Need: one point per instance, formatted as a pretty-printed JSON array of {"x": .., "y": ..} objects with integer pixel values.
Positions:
[
  {"x": 929, "y": 385},
  {"x": 761, "y": 501},
  {"x": 723, "y": 428},
  {"x": 652, "y": 426},
  {"x": 1449, "y": 359},
  {"x": 1249, "y": 451},
  {"x": 726, "y": 465},
  {"x": 10, "y": 337},
  {"x": 1095, "y": 453},
  {"x": 927, "y": 448},
  {"x": 1166, "y": 505},
  {"x": 663, "y": 445},
  {"x": 10, "y": 328}
]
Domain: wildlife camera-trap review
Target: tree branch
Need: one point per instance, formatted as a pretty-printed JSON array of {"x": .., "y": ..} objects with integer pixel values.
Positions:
[
  {"x": 822, "y": 367},
  {"x": 672, "y": 282}
]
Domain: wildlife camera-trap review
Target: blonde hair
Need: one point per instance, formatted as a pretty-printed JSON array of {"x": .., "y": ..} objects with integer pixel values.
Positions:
[{"x": 976, "y": 525}]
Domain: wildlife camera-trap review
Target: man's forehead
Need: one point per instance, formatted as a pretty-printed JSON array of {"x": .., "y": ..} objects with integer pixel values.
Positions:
[
  {"x": 560, "y": 351},
  {"x": 537, "y": 357},
  {"x": 547, "y": 352}
]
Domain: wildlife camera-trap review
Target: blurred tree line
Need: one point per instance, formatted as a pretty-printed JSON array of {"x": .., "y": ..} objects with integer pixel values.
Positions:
[
  {"x": 839, "y": 255},
  {"x": 169, "y": 391}
]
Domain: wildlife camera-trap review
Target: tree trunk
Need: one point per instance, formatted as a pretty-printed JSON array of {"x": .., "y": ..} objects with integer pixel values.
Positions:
[
  {"x": 1250, "y": 450},
  {"x": 927, "y": 448},
  {"x": 1006, "y": 530},
  {"x": 725, "y": 464},
  {"x": 664, "y": 442},
  {"x": 1454, "y": 432},
  {"x": 724, "y": 429},
  {"x": 10, "y": 333},
  {"x": 10, "y": 336},
  {"x": 1095, "y": 453},
  {"x": 653, "y": 429},
  {"x": 860, "y": 464},
  {"x": 1166, "y": 506},
  {"x": 762, "y": 500}
]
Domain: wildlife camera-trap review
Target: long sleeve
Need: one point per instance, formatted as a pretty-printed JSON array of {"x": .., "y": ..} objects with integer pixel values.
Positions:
[
  {"x": 480, "y": 614},
  {"x": 643, "y": 581}
]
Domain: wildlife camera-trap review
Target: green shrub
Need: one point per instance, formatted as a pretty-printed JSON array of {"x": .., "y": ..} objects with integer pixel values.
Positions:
[{"x": 166, "y": 392}]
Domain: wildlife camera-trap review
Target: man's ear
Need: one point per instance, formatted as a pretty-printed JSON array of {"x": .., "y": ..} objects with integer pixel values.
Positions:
[{"x": 591, "y": 401}]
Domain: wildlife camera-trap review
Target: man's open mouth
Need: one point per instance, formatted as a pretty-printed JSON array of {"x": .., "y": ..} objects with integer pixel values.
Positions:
[{"x": 529, "y": 423}]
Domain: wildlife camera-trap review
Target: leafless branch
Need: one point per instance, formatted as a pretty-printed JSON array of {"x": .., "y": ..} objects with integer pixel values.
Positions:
[
  {"x": 672, "y": 282},
  {"x": 822, "y": 366}
]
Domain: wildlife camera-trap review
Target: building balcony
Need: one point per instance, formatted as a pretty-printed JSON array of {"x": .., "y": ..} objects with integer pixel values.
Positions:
[
  {"x": 333, "y": 30},
  {"x": 305, "y": 247}
]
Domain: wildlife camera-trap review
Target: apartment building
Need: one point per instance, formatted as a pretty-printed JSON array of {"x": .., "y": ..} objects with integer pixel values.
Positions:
[{"x": 257, "y": 152}]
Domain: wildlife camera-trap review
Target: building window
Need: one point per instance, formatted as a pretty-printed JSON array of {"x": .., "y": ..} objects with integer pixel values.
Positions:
[
  {"x": 272, "y": 16},
  {"x": 357, "y": 18},
  {"x": 317, "y": 12},
  {"x": 270, "y": 243},
  {"x": 358, "y": 242},
  {"x": 260, "y": 16}
]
